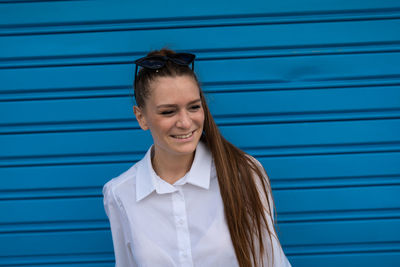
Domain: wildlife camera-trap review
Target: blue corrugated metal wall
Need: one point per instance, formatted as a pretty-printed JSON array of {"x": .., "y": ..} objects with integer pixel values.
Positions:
[{"x": 311, "y": 88}]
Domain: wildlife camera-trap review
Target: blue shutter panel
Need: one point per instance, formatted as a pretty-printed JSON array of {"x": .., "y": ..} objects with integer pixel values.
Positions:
[{"x": 310, "y": 88}]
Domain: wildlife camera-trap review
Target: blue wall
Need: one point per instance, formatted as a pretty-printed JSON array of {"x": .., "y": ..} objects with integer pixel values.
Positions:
[{"x": 311, "y": 88}]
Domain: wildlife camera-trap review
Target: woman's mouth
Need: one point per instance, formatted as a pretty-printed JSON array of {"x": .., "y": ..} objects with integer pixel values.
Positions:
[{"x": 183, "y": 136}]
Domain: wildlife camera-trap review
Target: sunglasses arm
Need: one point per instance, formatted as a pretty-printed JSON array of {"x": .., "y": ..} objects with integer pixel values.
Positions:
[{"x": 134, "y": 81}]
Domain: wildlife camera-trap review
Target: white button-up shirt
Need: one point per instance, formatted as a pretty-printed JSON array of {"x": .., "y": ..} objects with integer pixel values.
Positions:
[{"x": 154, "y": 223}]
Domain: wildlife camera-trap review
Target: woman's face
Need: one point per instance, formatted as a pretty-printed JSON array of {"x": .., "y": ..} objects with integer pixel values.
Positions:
[{"x": 174, "y": 114}]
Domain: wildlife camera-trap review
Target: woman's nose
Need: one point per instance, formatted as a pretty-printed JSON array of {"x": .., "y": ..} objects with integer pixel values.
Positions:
[{"x": 184, "y": 120}]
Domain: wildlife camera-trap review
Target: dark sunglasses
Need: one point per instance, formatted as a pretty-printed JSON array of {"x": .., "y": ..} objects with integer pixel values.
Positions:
[{"x": 157, "y": 62}]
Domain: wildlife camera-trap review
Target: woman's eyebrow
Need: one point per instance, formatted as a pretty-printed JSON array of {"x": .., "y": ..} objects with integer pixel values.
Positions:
[
  {"x": 194, "y": 101},
  {"x": 166, "y": 106},
  {"x": 175, "y": 105}
]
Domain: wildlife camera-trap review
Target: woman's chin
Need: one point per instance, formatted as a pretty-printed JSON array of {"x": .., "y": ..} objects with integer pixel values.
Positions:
[{"x": 185, "y": 146}]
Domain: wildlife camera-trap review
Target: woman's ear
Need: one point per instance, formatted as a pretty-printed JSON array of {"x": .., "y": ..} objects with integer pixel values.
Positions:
[{"x": 140, "y": 118}]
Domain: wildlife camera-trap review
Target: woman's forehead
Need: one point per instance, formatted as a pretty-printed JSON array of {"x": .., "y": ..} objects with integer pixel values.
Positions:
[{"x": 174, "y": 88}]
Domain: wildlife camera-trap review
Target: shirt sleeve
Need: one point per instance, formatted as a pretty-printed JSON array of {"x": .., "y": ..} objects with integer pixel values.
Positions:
[{"x": 123, "y": 255}]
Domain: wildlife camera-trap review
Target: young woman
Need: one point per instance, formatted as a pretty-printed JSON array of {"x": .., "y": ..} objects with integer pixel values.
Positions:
[{"x": 194, "y": 199}]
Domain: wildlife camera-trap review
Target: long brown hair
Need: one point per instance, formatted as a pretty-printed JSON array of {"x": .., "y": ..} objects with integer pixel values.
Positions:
[{"x": 244, "y": 185}]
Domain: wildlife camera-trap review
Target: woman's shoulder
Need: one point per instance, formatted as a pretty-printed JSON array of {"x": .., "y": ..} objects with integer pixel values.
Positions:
[
  {"x": 122, "y": 180},
  {"x": 252, "y": 159},
  {"x": 262, "y": 171},
  {"x": 256, "y": 162}
]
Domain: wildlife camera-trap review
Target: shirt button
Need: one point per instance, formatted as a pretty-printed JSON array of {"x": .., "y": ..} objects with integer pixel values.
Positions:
[{"x": 181, "y": 221}]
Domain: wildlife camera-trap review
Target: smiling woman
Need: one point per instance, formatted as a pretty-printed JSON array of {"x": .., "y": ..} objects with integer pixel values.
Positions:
[
  {"x": 194, "y": 199},
  {"x": 175, "y": 117}
]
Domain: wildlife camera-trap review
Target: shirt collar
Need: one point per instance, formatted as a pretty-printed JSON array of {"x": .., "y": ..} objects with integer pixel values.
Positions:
[{"x": 148, "y": 181}]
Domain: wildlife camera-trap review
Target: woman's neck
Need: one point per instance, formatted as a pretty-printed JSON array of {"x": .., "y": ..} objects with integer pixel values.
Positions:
[{"x": 171, "y": 168}]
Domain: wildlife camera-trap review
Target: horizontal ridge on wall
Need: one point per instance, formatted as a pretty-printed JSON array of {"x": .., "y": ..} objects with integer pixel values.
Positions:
[
  {"x": 345, "y": 170},
  {"x": 252, "y": 74},
  {"x": 31, "y": 1},
  {"x": 40, "y": 94},
  {"x": 273, "y": 40},
  {"x": 280, "y": 184},
  {"x": 95, "y": 220},
  {"x": 283, "y": 219},
  {"x": 78, "y": 259},
  {"x": 144, "y": 11},
  {"x": 342, "y": 248},
  {"x": 82, "y": 259},
  {"x": 338, "y": 215},
  {"x": 199, "y": 22},
  {"x": 254, "y": 119},
  {"x": 127, "y": 157},
  {"x": 95, "y": 260},
  {"x": 51, "y": 193},
  {"x": 267, "y": 132},
  {"x": 262, "y": 152},
  {"x": 27, "y": 227},
  {"x": 218, "y": 54}
]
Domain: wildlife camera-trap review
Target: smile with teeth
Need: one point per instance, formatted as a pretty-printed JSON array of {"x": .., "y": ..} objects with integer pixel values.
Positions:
[{"x": 184, "y": 136}]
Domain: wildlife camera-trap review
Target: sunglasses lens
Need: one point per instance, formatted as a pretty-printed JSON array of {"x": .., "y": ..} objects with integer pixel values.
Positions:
[
  {"x": 182, "y": 58},
  {"x": 151, "y": 62}
]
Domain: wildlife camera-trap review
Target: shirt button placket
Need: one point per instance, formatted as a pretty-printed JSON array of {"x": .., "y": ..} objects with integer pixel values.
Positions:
[{"x": 182, "y": 230}]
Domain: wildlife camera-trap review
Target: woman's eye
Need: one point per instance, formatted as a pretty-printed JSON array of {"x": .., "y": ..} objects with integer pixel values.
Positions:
[
  {"x": 167, "y": 112},
  {"x": 196, "y": 107}
]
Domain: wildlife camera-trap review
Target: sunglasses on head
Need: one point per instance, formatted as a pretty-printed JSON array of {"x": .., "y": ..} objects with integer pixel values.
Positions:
[{"x": 157, "y": 62}]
